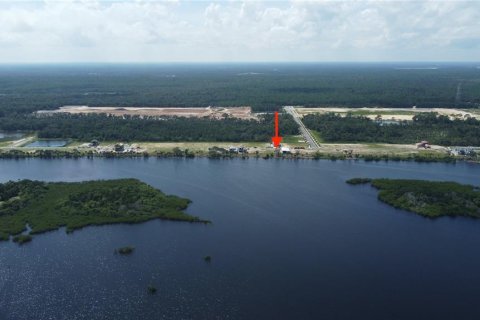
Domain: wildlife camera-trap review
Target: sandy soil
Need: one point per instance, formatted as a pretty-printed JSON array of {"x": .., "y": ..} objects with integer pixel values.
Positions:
[
  {"x": 393, "y": 113},
  {"x": 211, "y": 112}
]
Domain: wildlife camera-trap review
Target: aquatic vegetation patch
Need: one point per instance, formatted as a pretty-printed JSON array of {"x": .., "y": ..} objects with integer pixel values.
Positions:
[{"x": 125, "y": 250}]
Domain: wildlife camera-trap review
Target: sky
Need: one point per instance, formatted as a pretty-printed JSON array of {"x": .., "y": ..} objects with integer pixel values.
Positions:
[{"x": 238, "y": 31}]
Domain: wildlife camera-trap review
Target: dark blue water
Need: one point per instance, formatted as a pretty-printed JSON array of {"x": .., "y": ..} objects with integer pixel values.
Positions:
[
  {"x": 47, "y": 144},
  {"x": 289, "y": 240}
]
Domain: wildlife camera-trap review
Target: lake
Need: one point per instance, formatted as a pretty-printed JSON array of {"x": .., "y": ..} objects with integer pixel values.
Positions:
[
  {"x": 47, "y": 144},
  {"x": 289, "y": 240}
]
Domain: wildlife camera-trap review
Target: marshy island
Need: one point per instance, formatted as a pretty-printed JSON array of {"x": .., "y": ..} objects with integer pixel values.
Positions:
[
  {"x": 428, "y": 198},
  {"x": 44, "y": 206}
]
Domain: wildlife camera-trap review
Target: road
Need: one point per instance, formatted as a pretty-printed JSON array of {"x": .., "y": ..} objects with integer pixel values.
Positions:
[
  {"x": 312, "y": 142},
  {"x": 21, "y": 142}
]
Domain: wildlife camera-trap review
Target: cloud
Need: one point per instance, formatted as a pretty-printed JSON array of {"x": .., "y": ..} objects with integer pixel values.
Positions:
[{"x": 155, "y": 31}]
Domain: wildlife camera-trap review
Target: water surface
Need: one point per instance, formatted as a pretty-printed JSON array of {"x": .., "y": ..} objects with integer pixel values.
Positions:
[
  {"x": 47, "y": 144},
  {"x": 289, "y": 240}
]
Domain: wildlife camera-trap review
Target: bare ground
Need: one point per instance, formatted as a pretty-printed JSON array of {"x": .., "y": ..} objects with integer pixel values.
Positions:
[
  {"x": 392, "y": 113},
  {"x": 210, "y": 112}
]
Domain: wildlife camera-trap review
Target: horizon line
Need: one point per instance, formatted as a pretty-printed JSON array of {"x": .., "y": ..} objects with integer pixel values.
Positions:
[{"x": 239, "y": 62}]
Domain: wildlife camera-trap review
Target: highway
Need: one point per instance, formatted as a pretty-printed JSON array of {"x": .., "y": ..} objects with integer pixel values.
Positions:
[{"x": 312, "y": 142}]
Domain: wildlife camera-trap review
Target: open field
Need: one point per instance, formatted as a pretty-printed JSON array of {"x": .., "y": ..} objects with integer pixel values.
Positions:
[
  {"x": 392, "y": 113},
  {"x": 209, "y": 112},
  {"x": 377, "y": 149},
  {"x": 288, "y": 141},
  {"x": 295, "y": 143}
]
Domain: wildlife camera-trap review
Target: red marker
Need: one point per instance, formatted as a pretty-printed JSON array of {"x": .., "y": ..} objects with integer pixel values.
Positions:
[{"x": 276, "y": 139}]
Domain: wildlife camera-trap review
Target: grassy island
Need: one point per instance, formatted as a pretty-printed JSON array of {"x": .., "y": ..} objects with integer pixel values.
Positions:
[
  {"x": 47, "y": 206},
  {"x": 428, "y": 198}
]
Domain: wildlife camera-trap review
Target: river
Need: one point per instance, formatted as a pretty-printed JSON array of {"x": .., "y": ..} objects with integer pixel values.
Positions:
[{"x": 289, "y": 240}]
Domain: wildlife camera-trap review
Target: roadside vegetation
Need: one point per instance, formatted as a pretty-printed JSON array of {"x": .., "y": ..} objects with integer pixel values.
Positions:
[
  {"x": 427, "y": 198},
  {"x": 435, "y": 129},
  {"x": 49, "y": 206}
]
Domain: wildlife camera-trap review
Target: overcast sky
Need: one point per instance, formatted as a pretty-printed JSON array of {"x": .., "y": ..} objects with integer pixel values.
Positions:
[{"x": 166, "y": 31}]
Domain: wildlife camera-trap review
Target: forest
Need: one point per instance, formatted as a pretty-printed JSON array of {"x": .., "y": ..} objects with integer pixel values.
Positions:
[
  {"x": 432, "y": 127},
  {"x": 265, "y": 87},
  {"x": 428, "y": 198},
  {"x": 49, "y": 205},
  {"x": 109, "y": 128}
]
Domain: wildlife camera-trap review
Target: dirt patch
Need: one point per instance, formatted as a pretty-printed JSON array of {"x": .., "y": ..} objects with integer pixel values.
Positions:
[
  {"x": 392, "y": 113},
  {"x": 209, "y": 112}
]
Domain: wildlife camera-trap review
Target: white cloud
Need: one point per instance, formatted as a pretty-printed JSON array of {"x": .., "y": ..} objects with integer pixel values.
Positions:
[{"x": 238, "y": 31}]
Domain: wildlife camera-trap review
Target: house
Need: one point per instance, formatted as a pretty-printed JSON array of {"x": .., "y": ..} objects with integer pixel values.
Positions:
[
  {"x": 463, "y": 151},
  {"x": 423, "y": 144},
  {"x": 119, "y": 147},
  {"x": 237, "y": 149}
]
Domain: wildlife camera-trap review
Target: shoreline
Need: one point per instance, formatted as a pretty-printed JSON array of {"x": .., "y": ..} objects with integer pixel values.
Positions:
[{"x": 57, "y": 153}]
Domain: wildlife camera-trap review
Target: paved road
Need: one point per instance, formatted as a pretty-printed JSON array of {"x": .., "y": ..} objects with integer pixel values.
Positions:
[{"x": 305, "y": 133}]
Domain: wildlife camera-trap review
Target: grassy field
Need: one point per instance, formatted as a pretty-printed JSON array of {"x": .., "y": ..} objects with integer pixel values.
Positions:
[
  {"x": 316, "y": 135},
  {"x": 295, "y": 141},
  {"x": 326, "y": 150}
]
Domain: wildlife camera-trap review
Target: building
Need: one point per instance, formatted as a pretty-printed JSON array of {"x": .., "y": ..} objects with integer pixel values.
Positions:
[{"x": 423, "y": 144}]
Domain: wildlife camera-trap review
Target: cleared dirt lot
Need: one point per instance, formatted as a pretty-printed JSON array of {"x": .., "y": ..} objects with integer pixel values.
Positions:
[
  {"x": 392, "y": 113},
  {"x": 210, "y": 112}
]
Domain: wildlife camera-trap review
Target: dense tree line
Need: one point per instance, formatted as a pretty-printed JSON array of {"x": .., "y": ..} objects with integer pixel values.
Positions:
[
  {"x": 108, "y": 128},
  {"x": 24, "y": 89},
  {"x": 16, "y": 195},
  {"x": 425, "y": 126}
]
